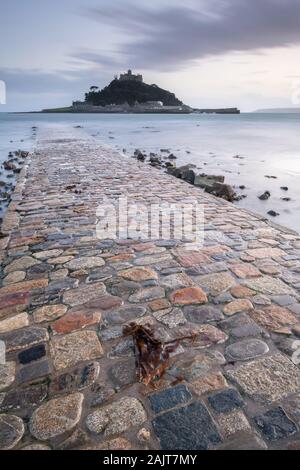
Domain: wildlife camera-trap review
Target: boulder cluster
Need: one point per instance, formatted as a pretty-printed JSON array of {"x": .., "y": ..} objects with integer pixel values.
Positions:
[
  {"x": 9, "y": 168},
  {"x": 213, "y": 184}
]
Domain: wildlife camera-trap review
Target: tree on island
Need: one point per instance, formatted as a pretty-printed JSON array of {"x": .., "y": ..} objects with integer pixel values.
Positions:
[{"x": 126, "y": 91}]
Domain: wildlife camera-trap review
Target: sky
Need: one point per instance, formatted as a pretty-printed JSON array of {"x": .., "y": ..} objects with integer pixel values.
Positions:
[{"x": 211, "y": 53}]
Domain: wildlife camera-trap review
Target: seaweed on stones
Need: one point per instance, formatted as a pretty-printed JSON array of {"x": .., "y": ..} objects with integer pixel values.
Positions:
[{"x": 152, "y": 356}]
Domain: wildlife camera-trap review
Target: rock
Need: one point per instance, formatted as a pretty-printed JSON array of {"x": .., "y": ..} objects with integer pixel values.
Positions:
[
  {"x": 239, "y": 291},
  {"x": 49, "y": 313},
  {"x": 20, "y": 264},
  {"x": 208, "y": 335},
  {"x": 188, "y": 295},
  {"x": 76, "y": 320},
  {"x": 184, "y": 172},
  {"x": 13, "y": 277},
  {"x": 14, "y": 323},
  {"x": 34, "y": 371},
  {"x": 124, "y": 348},
  {"x": 169, "y": 398},
  {"x": 266, "y": 195},
  {"x": 75, "y": 347},
  {"x": 123, "y": 288},
  {"x": 140, "y": 157},
  {"x": 22, "y": 287},
  {"x": 56, "y": 417},
  {"x": 245, "y": 270},
  {"x": 9, "y": 166},
  {"x": 7, "y": 374},
  {"x": 189, "y": 176},
  {"x": 269, "y": 378},
  {"x": 117, "y": 417},
  {"x": 32, "y": 354},
  {"x": 261, "y": 300},
  {"x": 202, "y": 363},
  {"x": 284, "y": 188},
  {"x": 155, "y": 160},
  {"x": 270, "y": 270},
  {"x": 76, "y": 379},
  {"x": 170, "y": 317},
  {"x": 111, "y": 333},
  {"x": 273, "y": 318},
  {"x": 119, "y": 443},
  {"x": 159, "y": 304},
  {"x": 24, "y": 398},
  {"x": 11, "y": 431},
  {"x": 36, "y": 446},
  {"x": 187, "y": 428},
  {"x": 155, "y": 259},
  {"x": 144, "y": 435},
  {"x": 24, "y": 338},
  {"x": 150, "y": 293},
  {"x": 216, "y": 284},
  {"x": 234, "y": 423},
  {"x": 268, "y": 285},
  {"x": 86, "y": 262},
  {"x": 122, "y": 315},
  {"x": 237, "y": 306},
  {"x": 139, "y": 274},
  {"x": 275, "y": 424},
  {"x": 226, "y": 401},
  {"x": 207, "y": 181},
  {"x": 189, "y": 259},
  {"x": 176, "y": 281},
  {"x": 59, "y": 274},
  {"x": 48, "y": 254},
  {"x": 101, "y": 394},
  {"x": 241, "y": 326},
  {"x": 105, "y": 302},
  {"x": 261, "y": 253},
  {"x": 246, "y": 349},
  {"x": 203, "y": 314},
  {"x": 225, "y": 191},
  {"x": 84, "y": 294},
  {"x": 273, "y": 213},
  {"x": 123, "y": 373},
  {"x": 209, "y": 383}
]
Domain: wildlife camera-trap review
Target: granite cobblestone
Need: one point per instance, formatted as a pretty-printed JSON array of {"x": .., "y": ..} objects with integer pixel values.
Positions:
[{"x": 65, "y": 296}]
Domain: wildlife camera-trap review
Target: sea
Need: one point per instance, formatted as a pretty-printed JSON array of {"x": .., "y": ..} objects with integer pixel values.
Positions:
[{"x": 258, "y": 151}]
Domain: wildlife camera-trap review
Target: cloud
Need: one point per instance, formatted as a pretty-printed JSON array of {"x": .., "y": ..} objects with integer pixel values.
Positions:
[
  {"x": 36, "y": 81},
  {"x": 172, "y": 37}
]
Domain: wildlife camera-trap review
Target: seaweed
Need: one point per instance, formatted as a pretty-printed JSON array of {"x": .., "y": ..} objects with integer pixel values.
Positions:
[{"x": 152, "y": 355}]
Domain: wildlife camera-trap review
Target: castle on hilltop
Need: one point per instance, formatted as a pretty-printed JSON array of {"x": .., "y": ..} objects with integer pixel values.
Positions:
[{"x": 130, "y": 76}]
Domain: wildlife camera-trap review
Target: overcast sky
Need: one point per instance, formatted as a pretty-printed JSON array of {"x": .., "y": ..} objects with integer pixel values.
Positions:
[{"x": 211, "y": 53}]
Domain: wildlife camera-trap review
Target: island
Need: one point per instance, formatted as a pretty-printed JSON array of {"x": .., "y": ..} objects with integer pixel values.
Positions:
[{"x": 128, "y": 93}]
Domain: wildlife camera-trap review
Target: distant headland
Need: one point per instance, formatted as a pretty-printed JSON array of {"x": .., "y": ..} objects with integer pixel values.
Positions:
[{"x": 128, "y": 93}]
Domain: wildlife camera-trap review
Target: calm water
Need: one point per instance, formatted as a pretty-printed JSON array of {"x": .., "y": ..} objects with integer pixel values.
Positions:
[{"x": 268, "y": 144}]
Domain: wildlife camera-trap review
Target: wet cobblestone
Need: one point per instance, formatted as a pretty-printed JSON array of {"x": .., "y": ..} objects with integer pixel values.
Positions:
[{"x": 65, "y": 296}]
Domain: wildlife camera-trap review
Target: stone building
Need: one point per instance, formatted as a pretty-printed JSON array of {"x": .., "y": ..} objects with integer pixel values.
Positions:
[{"x": 130, "y": 76}]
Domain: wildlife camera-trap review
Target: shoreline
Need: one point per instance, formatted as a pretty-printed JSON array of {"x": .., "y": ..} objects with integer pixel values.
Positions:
[{"x": 66, "y": 295}]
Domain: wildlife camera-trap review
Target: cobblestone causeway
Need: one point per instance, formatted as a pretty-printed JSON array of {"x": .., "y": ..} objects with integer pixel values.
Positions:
[{"x": 69, "y": 378}]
